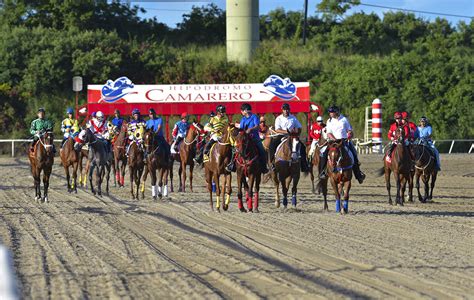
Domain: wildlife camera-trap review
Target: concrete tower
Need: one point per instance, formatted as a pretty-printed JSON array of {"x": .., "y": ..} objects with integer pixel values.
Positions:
[{"x": 242, "y": 29}]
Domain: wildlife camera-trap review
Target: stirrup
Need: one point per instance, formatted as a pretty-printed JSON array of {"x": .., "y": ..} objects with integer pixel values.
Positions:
[{"x": 323, "y": 175}]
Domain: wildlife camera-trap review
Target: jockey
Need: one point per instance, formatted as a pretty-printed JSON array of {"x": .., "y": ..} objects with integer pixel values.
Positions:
[
  {"x": 426, "y": 132},
  {"x": 283, "y": 124},
  {"x": 179, "y": 131},
  {"x": 315, "y": 133},
  {"x": 136, "y": 124},
  {"x": 69, "y": 126},
  {"x": 156, "y": 125},
  {"x": 338, "y": 127},
  {"x": 216, "y": 127},
  {"x": 412, "y": 128},
  {"x": 393, "y": 129},
  {"x": 262, "y": 128},
  {"x": 117, "y": 120},
  {"x": 250, "y": 123},
  {"x": 98, "y": 126},
  {"x": 39, "y": 126}
]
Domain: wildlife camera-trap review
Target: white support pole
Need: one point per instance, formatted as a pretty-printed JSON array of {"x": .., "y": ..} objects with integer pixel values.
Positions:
[
  {"x": 451, "y": 148},
  {"x": 472, "y": 147},
  {"x": 8, "y": 285},
  {"x": 13, "y": 148}
]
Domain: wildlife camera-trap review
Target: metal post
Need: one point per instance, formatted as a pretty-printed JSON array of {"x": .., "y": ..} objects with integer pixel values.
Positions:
[
  {"x": 13, "y": 148},
  {"x": 77, "y": 101},
  {"x": 167, "y": 127},
  {"x": 451, "y": 148},
  {"x": 305, "y": 22}
]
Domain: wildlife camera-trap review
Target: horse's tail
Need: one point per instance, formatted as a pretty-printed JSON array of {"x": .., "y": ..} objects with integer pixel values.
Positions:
[{"x": 380, "y": 171}]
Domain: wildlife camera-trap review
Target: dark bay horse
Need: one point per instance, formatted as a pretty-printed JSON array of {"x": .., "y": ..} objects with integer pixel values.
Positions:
[
  {"x": 425, "y": 167},
  {"x": 249, "y": 171},
  {"x": 187, "y": 151},
  {"x": 136, "y": 164},
  {"x": 339, "y": 169},
  {"x": 70, "y": 158},
  {"x": 100, "y": 159},
  {"x": 287, "y": 168},
  {"x": 400, "y": 165},
  {"x": 158, "y": 158},
  {"x": 119, "y": 148},
  {"x": 322, "y": 185},
  {"x": 219, "y": 157},
  {"x": 42, "y": 159}
]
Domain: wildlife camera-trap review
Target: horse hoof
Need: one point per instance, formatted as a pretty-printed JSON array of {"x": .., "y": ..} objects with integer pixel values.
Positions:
[
  {"x": 155, "y": 198},
  {"x": 45, "y": 199},
  {"x": 251, "y": 210},
  {"x": 277, "y": 204},
  {"x": 256, "y": 210},
  {"x": 243, "y": 210},
  {"x": 180, "y": 190},
  {"x": 225, "y": 207}
]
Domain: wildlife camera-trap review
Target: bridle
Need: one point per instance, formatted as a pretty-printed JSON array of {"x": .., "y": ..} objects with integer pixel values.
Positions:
[{"x": 42, "y": 136}]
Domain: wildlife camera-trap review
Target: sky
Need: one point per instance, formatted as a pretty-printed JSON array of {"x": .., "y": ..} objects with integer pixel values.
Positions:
[{"x": 170, "y": 12}]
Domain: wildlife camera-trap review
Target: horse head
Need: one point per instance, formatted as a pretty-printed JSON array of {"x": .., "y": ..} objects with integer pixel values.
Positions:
[
  {"x": 47, "y": 139},
  {"x": 196, "y": 129},
  {"x": 335, "y": 152},
  {"x": 400, "y": 134},
  {"x": 242, "y": 142}
]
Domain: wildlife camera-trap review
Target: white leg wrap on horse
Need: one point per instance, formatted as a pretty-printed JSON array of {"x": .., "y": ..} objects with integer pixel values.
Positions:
[
  {"x": 159, "y": 189},
  {"x": 165, "y": 190},
  {"x": 153, "y": 190}
]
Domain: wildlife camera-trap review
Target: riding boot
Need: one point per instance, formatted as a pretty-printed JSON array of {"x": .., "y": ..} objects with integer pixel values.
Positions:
[
  {"x": 231, "y": 166},
  {"x": 358, "y": 173},
  {"x": 54, "y": 149},
  {"x": 272, "y": 149},
  {"x": 304, "y": 161},
  {"x": 323, "y": 165}
]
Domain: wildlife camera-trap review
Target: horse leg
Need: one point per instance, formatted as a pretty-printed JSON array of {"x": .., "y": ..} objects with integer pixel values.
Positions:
[
  {"x": 180, "y": 175},
  {"x": 311, "y": 175},
  {"x": 183, "y": 176},
  {"x": 46, "y": 175},
  {"x": 68, "y": 177},
  {"x": 294, "y": 189},
  {"x": 403, "y": 184},
  {"x": 427, "y": 188},
  {"x": 209, "y": 187},
  {"x": 250, "y": 193},
  {"x": 144, "y": 176},
  {"x": 345, "y": 204},
  {"x": 410, "y": 188},
  {"x": 75, "y": 165},
  {"x": 324, "y": 188},
  {"x": 160, "y": 184},
  {"x": 111, "y": 165},
  {"x": 132, "y": 180},
  {"x": 277, "y": 190},
  {"x": 387, "y": 184},
  {"x": 164, "y": 179},
  {"x": 218, "y": 191},
  {"x": 418, "y": 186},
  {"x": 433, "y": 181},
  {"x": 257, "y": 180},
  {"x": 108, "y": 167},
  {"x": 191, "y": 169},
  {"x": 170, "y": 171},
  {"x": 36, "y": 177},
  {"x": 336, "y": 194},
  {"x": 86, "y": 171},
  {"x": 91, "y": 170},
  {"x": 100, "y": 178},
  {"x": 228, "y": 190},
  {"x": 240, "y": 204},
  {"x": 137, "y": 182},
  {"x": 284, "y": 188},
  {"x": 153, "y": 182},
  {"x": 122, "y": 177},
  {"x": 399, "y": 187}
]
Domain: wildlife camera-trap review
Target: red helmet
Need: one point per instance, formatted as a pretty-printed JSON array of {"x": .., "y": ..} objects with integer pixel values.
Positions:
[
  {"x": 397, "y": 115},
  {"x": 405, "y": 115},
  {"x": 184, "y": 115}
]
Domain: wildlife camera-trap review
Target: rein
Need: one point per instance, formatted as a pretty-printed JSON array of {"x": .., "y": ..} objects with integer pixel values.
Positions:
[{"x": 427, "y": 164}]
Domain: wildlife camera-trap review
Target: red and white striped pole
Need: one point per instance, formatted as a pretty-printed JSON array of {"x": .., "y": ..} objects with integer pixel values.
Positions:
[{"x": 377, "y": 126}]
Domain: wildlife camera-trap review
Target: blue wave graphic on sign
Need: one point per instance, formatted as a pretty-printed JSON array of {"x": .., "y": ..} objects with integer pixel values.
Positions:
[
  {"x": 282, "y": 88},
  {"x": 114, "y": 90}
]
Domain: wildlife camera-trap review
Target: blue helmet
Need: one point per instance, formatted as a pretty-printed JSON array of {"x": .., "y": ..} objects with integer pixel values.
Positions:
[
  {"x": 135, "y": 111},
  {"x": 69, "y": 110}
]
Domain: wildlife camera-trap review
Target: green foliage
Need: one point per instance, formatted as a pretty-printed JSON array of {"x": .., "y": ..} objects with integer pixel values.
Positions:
[{"x": 411, "y": 64}]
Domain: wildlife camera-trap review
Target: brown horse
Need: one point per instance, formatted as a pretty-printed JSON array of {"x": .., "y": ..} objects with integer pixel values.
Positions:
[
  {"x": 158, "y": 158},
  {"x": 249, "y": 171},
  {"x": 400, "y": 164},
  {"x": 70, "y": 157},
  {"x": 322, "y": 185},
  {"x": 42, "y": 159},
  {"x": 120, "y": 159},
  {"x": 287, "y": 168},
  {"x": 187, "y": 151},
  {"x": 425, "y": 167},
  {"x": 339, "y": 169},
  {"x": 219, "y": 157},
  {"x": 136, "y": 164}
]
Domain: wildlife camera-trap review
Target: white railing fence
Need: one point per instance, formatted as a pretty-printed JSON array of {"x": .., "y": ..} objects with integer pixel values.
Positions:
[{"x": 18, "y": 146}]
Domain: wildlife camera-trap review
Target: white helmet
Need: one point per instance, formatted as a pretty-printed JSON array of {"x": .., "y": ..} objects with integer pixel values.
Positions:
[
  {"x": 99, "y": 115},
  {"x": 319, "y": 119}
]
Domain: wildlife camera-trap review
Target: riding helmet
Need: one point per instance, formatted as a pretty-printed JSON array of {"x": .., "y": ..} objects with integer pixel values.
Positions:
[
  {"x": 405, "y": 115},
  {"x": 135, "y": 111},
  {"x": 41, "y": 109},
  {"x": 184, "y": 115},
  {"x": 319, "y": 119},
  {"x": 151, "y": 111},
  {"x": 424, "y": 119},
  {"x": 246, "y": 106},
  {"x": 333, "y": 109},
  {"x": 69, "y": 110},
  {"x": 285, "y": 106},
  {"x": 397, "y": 115},
  {"x": 220, "y": 109}
]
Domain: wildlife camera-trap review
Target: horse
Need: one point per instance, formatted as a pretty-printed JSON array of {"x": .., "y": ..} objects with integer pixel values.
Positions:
[
  {"x": 100, "y": 158},
  {"x": 70, "y": 157},
  {"x": 249, "y": 171},
  {"x": 339, "y": 170},
  {"x": 83, "y": 175},
  {"x": 158, "y": 158},
  {"x": 185, "y": 155},
  {"x": 322, "y": 185},
  {"x": 42, "y": 159},
  {"x": 425, "y": 167},
  {"x": 220, "y": 155},
  {"x": 136, "y": 162},
  {"x": 287, "y": 168},
  {"x": 400, "y": 164},
  {"x": 120, "y": 159}
]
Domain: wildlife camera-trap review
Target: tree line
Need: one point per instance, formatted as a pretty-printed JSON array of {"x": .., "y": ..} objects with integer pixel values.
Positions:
[{"x": 410, "y": 63}]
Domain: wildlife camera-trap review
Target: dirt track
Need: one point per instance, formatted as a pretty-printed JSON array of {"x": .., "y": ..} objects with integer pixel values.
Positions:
[{"x": 81, "y": 246}]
